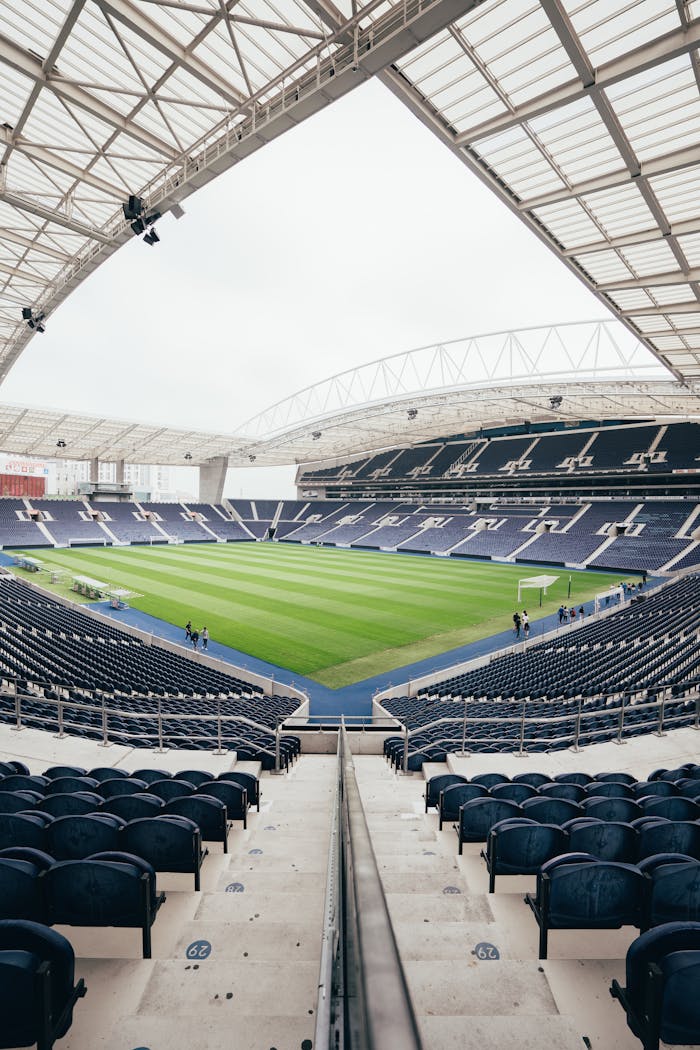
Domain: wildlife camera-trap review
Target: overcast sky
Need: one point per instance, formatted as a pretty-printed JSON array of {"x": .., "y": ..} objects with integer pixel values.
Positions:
[{"x": 353, "y": 236}]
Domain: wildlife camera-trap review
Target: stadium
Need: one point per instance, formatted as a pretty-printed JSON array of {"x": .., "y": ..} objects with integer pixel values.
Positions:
[{"x": 408, "y": 758}]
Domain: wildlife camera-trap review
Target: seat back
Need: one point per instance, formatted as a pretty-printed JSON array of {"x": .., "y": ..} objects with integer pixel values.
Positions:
[
  {"x": 22, "y": 829},
  {"x": 521, "y": 849},
  {"x": 489, "y": 780},
  {"x": 599, "y": 895},
  {"x": 675, "y": 893},
  {"x": 621, "y": 810},
  {"x": 133, "y": 807},
  {"x": 477, "y": 817},
  {"x": 609, "y": 789},
  {"x": 234, "y": 796},
  {"x": 563, "y": 789},
  {"x": 66, "y": 785},
  {"x": 669, "y": 837},
  {"x": 168, "y": 842},
  {"x": 48, "y": 946},
  {"x": 208, "y": 813},
  {"x": 20, "y": 892},
  {"x": 513, "y": 792},
  {"x": 607, "y": 840},
  {"x": 674, "y": 808},
  {"x": 121, "y": 786},
  {"x": 172, "y": 788},
  {"x": 551, "y": 810},
  {"x": 95, "y": 893},
  {"x": 75, "y": 804},
  {"x": 78, "y": 837},
  {"x": 433, "y": 786}
]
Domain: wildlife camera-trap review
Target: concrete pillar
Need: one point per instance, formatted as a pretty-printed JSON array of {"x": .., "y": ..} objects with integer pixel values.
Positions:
[
  {"x": 212, "y": 476},
  {"x": 94, "y": 470},
  {"x": 120, "y": 472}
]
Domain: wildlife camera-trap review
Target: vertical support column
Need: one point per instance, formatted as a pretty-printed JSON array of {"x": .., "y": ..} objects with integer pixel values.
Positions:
[
  {"x": 120, "y": 472},
  {"x": 212, "y": 476},
  {"x": 94, "y": 470}
]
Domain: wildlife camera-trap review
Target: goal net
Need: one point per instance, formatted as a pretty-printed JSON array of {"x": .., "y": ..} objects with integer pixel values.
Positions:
[{"x": 540, "y": 583}]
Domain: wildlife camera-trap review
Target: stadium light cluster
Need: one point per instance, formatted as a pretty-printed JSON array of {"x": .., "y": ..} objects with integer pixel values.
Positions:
[
  {"x": 34, "y": 321},
  {"x": 141, "y": 222}
]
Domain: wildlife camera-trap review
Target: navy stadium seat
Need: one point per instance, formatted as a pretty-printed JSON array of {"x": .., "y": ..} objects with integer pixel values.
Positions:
[{"x": 37, "y": 990}]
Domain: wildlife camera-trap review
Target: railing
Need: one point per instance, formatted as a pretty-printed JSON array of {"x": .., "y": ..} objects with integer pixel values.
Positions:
[
  {"x": 157, "y": 733},
  {"x": 576, "y": 718},
  {"x": 363, "y": 1000}
]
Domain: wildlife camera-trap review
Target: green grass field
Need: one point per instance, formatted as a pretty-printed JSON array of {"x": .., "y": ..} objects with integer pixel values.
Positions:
[{"x": 336, "y": 616}]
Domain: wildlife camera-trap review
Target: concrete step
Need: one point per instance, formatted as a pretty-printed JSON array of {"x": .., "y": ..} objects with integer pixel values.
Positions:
[
  {"x": 448, "y": 907},
  {"x": 257, "y": 941},
  {"x": 201, "y": 990},
  {"x": 495, "y": 1033},
  {"x": 267, "y": 907},
  {"x": 215, "y": 1028},
  {"x": 502, "y": 988}
]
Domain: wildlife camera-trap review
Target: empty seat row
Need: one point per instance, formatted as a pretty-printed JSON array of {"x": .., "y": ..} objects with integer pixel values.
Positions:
[
  {"x": 578, "y": 892},
  {"x": 107, "y": 889},
  {"x": 520, "y": 846}
]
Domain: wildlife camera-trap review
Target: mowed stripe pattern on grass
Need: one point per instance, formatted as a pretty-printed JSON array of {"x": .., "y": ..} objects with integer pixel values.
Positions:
[{"x": 336, "y": 616}]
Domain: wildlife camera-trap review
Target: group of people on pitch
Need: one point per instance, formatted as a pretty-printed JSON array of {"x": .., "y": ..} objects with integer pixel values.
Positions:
[{"x": 194, "y": 636}]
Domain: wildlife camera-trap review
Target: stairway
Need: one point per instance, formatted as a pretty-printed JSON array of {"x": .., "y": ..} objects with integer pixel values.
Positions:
[
  {"x": 259, "y": 911},
  {"x": 441, "y": 911}
]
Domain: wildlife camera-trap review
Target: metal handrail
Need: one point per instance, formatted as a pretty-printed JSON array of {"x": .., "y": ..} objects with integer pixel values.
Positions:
[
  {"x": 364, "y": 1003},
  {"x": 64, "y": 723},
  {"x": 620, "y": 705}
]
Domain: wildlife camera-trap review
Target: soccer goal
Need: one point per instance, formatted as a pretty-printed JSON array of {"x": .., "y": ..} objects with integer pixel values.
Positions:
[
  {"x": 89, "y": 541},
  {"x": 540, "y": 583}
]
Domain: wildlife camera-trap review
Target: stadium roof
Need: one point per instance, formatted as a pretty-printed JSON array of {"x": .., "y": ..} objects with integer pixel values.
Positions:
[
  {"x": 582, "y": 115},
  {"x": 565, "y": 373}
]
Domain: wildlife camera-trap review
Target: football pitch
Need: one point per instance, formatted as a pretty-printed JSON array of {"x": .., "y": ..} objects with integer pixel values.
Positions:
[{"x": 336, "y": 616}]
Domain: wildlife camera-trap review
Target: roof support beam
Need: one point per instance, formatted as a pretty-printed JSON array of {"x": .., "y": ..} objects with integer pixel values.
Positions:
[
  {"x": 677, "y": 42},
  {"x": 676, "y": 161},
  {"x": 667, "y": 310},
  {"x": 677, "y": 229},
  {"x": 151, "y": 33},
  {"x": 60, "y": 163},
  {"x": 33, "y": 245},
  {"x": 655, "y": 281},
  {"x": 59, "y": 217},
  {"x": 31, "y": 67}
]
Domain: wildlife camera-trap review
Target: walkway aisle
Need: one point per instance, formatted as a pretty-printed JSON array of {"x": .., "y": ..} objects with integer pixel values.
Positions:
[
  {"x": 442, "y": 912},
  {"x": 255, "y": 925}
]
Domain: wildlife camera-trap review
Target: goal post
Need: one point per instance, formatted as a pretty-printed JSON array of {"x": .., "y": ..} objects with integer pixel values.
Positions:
[{"x": 540, "y": 583}]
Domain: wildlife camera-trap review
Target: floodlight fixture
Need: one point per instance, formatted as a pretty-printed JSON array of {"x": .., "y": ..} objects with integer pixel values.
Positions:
[
  {"x": 556, "y": 401},
  {"x": 60, "y": 443},
  {"x": 316, "y": 434},
  {"x": 152, "y": 237},
  {"x": 133, "y": 208},
  {"x": 138, "y": 226},
  {"x": 34, "y": 321},
  {"x": 252, "y": 458},
  {"x": 188, "y": 455},
  {"x": 412, "y": 413}
]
